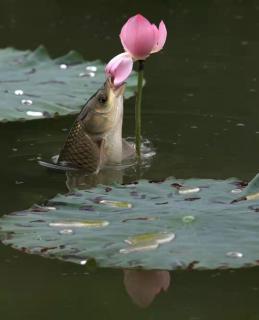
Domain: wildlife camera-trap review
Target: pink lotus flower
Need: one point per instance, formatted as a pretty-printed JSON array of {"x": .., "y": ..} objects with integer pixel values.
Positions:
[
  {"x": 119, "y": 68},
  {"x": 140, "y": 38}
]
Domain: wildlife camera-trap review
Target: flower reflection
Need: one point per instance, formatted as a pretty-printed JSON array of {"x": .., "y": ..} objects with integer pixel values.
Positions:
[{"x": 144, "y": 285}]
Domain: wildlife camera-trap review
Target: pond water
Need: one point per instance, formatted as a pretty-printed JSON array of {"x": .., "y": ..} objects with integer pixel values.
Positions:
[{"x": 200, "y": 113}]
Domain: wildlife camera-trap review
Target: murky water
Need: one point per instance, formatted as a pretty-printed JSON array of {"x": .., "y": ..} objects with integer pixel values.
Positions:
[{"x": 201, "y": 114}]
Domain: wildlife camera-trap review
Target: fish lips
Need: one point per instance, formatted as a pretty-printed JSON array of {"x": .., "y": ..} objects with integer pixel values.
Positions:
[{"x": 117, "y": 90}]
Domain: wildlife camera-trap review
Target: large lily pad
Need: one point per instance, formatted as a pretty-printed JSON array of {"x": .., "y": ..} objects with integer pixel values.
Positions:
[
  {"x": 33, "y": 86},
  {"x": 184, "y": 224}
]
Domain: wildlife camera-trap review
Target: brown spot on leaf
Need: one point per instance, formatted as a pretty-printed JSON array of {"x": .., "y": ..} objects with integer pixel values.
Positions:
[
  {"x": 192, "y": 199},
  {"x": 130, "y": 183},
  {"x": 161, "y": 203},
  {"x": 33, "y": 70},
  {"x": 139, "y": 218},
  {"x": 238, "y": 200},
  {"x": 46, "y": 114},
  {"x": 39, "y": 209},
  {"x": 191, "y": 266},
  {"x": 177, "y": 185},
  {"x": 254, "y": 208},
  {"x": 157, "y": 181},
  {"x": 97, "y": 199},
  {"x": 87, "y": 208},
  {"x": 52, "y": 81},
  {"x": 47, "y": 249},
  {"x": 241, "y": 184}
]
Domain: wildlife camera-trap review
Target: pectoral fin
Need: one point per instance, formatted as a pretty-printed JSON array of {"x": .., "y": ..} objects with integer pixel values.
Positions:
[
  {"x": 128, "y": 150},
  {"x": 101, "y": 144}
]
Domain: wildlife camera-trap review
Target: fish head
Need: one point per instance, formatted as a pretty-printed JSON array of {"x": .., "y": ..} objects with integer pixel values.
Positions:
[{"x": 104, "y": 111}]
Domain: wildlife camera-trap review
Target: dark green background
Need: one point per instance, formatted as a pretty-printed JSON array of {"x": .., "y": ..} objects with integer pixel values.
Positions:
[{"x": 200, "y": 112}]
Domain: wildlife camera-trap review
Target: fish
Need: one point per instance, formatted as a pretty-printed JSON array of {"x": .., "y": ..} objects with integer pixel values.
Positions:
[{"x": 95, "y": 138}]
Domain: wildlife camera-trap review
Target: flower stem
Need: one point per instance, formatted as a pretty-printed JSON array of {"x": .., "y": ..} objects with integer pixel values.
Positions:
[{"x": 138, "y": 108}]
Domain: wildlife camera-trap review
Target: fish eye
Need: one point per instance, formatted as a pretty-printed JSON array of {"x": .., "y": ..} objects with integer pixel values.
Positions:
[{"x": 102, "y": 98}]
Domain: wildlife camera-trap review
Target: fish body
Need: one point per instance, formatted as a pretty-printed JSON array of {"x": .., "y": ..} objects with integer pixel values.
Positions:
[{"x": 95, "y": 138}]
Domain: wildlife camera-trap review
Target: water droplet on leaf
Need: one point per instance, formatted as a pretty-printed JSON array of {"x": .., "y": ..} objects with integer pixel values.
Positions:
[
  {"x": 155, "y": 238},
  {"x": 18, "y": 92},
  {"x": 234, "y": 254},
  {"x": 236, "y": 191},
  {"x": 50, "y": 208},
  {"x": 34, "y": 113},
  {"x": 188, "y": 219},
  {"x": 80, "y": 224},
  {"x": 116, "y": 204},
  {"x": 66, "y": 231},
  {"x": 187, "y": 190},
  {"x": 91, "y": 68},
  {"x": 63, "y": 66},
  {"x": 26, "y": 102}
]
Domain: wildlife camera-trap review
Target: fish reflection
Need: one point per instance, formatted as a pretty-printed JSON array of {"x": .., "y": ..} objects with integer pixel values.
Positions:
[
  {"x": 144, "y": 285},
  {"x": 107, "y": 177}
]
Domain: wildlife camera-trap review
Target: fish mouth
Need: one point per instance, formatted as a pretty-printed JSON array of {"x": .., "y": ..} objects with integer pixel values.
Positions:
[{"x": 117, "y": 90}]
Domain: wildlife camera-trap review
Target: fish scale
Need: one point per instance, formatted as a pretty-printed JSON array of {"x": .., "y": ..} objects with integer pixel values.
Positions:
[{"x": 80, "y": 149}]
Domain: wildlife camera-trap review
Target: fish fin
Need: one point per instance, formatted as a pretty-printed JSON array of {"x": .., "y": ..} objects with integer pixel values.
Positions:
[
  {"x": 128, "y": 150},
  {"x": 57, "y": 167},
  {"x": 101, "y": 144}
]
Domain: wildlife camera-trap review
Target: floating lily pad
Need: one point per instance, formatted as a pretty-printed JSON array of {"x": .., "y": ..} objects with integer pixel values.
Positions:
[
  {"x": 157, "y": 227},
  {"x": 34, "y": 86}
]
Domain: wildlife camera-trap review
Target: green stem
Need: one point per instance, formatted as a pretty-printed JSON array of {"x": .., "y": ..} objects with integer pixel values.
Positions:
[{"x": 138, "y": 108}]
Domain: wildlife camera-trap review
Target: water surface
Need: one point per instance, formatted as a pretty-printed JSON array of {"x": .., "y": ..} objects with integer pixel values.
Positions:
[{"x": 200, "y": 112}]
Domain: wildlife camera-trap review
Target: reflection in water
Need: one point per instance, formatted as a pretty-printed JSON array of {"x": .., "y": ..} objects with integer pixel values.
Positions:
[
  {"x": 144, "y": 285},
  {"x": 82, "y": 181},
  {"x": 111, "y": 174}
]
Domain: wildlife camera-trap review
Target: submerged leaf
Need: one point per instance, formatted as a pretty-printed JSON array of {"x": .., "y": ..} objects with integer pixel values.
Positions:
[
  {"x": 188, "y": 219},
  {"x": 80, "y": 224},
  {"x": 116, "y": 204},
  {"x": 158, "y": 238}
]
